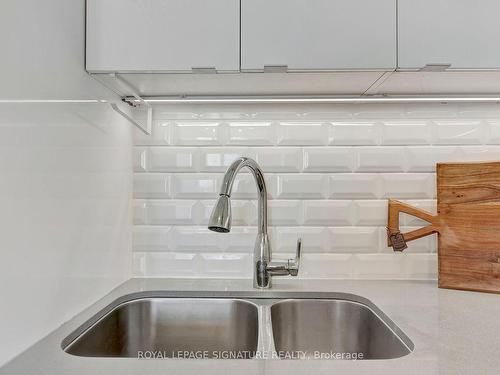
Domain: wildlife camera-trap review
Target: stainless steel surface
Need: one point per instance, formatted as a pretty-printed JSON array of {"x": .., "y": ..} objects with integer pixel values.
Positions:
[
  {"x": 172, "y": 326},
  {"x": 241, "y": 325},
  {"x": 220, "y": 221},
  {"x": 320, "y": 328}
]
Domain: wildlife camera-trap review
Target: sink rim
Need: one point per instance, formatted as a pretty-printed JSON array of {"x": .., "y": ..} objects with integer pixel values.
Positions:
[{"x": 256, "y": 298}]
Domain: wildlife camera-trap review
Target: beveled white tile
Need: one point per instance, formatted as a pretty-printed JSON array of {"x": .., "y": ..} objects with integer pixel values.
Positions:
[
  {"x": 458, "y": 132},
  {"x": 139, "y": 211},
  {"x": 328, "y": 212},
  {"x": 160, "y": 134},
  {"x": 424, "y": 159},
  {"x": 301, "y": 186},
  {"x": 178, "y": 212},
  {"x": 355, "y": 186},
  {"x": 172, "y": 159},
  {"x": 406, "y": 132},
  {"x": 420, "y": 266},
  {"x": 328, "y": 159},
  {"x": 354, "y": 133},
  {"x": 409, "y": 185},
  {"x": 298, "y": 134},
  {"x": 326, "y": 266},
  {"x": 198, "y": 133},
  {"x": 285, "y": 212},
  {"x": 479, "y": 153},
  {"x": 380, "y": 159},
  {"x": 218, "y": 159},
  {"x": 197, "y": 239},
  {"x": 494, "y": 128},
  {"x": 139, "y": 159},
  {"x": 379, "y": 266},
  {"x": 279, "y": 159},
  {"x": 252, "y": 133},
  {"x": 371, "y": 212},
  {"x": 165, "y": 264},
  {"x": 243, "y": 212},
  {"x": 234, "y": 265},
  {"x": 195, "y": 185},
  {"x": 354, "y": 239},
  {"x": 150, "y": 238},
  {"x": 151, "y": 185},
  {"x": 314, "y": 239},
  {"x": 241, "y": 239}
]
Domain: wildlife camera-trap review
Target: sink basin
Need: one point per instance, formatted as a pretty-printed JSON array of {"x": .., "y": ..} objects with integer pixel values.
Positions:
[
  {"x": 239, "y": 325},
  {"x": 172, "y": 327},
  {"x": 333, "y": 329}
]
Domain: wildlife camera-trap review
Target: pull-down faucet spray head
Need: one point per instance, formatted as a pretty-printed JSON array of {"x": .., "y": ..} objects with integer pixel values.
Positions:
[{"x": 220, "y": 220}]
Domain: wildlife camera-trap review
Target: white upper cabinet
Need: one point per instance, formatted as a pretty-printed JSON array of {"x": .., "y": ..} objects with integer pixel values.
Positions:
[
  {"x": 463, "y": 33},
  {"x": 318, "y": 34},
  {"x": 162, "y": 35}
]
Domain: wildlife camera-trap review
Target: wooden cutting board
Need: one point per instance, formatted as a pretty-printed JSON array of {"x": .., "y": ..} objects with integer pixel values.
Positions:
[{"x": 467, "y": 224}]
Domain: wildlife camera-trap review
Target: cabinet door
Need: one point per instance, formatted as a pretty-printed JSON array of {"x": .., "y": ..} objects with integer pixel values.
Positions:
[
  {"x": 318, "y": 34},
  {"x": 463, "y": 33},
  {"x": 162, "y": 35}
]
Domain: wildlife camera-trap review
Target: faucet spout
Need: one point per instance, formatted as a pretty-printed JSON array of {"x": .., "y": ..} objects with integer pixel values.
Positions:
[{"x": 220, "y": 221}]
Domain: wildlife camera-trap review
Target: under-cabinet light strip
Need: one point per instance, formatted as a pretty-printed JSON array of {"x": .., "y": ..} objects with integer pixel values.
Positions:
[{"x": 320, "y": 100}]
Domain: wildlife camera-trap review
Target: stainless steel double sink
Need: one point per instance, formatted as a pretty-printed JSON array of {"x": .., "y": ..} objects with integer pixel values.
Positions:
[{"x": 229, "y": 325}]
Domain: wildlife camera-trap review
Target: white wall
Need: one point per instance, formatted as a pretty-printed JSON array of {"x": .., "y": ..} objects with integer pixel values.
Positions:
[
  {"x": 65, "y": 175},
  {"x": 329, "y": 170}
]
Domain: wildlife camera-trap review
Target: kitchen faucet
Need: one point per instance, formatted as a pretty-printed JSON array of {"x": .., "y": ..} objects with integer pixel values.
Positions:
[{"x": 220, "y": 221}]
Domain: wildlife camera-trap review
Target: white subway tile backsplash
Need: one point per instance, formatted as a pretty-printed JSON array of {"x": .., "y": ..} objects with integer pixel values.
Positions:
[
  {"x": 173, "y": 264},
  {"x": 380, "y": 159},
  {"x": 196, "y": 239},
  {"x": 314, "y": 239},
  {"x": 329, "y": 172},
  {"x": 494, "y": 132},
  {"x": 370, "y": 212},
  {"x": 355, "y": 186},
  {"x": 297, "y": 134},
  {"x": 416, "y": 132},
  {"x": 139, "y": 159},
  {"x": 424, "y": 159},
  {"x": 195, "y": 185},
  {"x": 151, "y": 238},
  {"x": 409, "y": 185},
  {"x": 302, "y": 186},
  {"x": 329, "y": 159},
  {"x": 139, "y": 211},
  {"x": 198, "y": 133},
  {"x": 279, "y": 159},
  {"x": 328, "y": 212},
  {"x": 151, "y": 185},
  {"x": 354, "y": 239},
  {"x": 252, "y": 133},
  {"x": 163, "y": 211},
  {"x": 459, "y": 132},
  {"x": 218, "y": 159},
  {"x": 238, "y": 265},
  {"x": 327, "y": 266},
  {"x": 285, "y": 212},
  {"x": 172, "y": 159},
  {"x": 354, "y": 134}
]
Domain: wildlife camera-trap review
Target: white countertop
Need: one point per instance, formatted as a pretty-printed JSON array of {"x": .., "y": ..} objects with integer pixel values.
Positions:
[{"x": 454, "y": 332}]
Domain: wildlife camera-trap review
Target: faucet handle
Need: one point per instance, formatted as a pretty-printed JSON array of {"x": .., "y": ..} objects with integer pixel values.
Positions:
[{"x": 294, "y": 264}]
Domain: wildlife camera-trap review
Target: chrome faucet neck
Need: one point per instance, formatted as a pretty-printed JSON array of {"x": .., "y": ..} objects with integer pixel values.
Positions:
[
  {"x": 228, "y": 181},
  {"x": 220, "y": 221}
]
